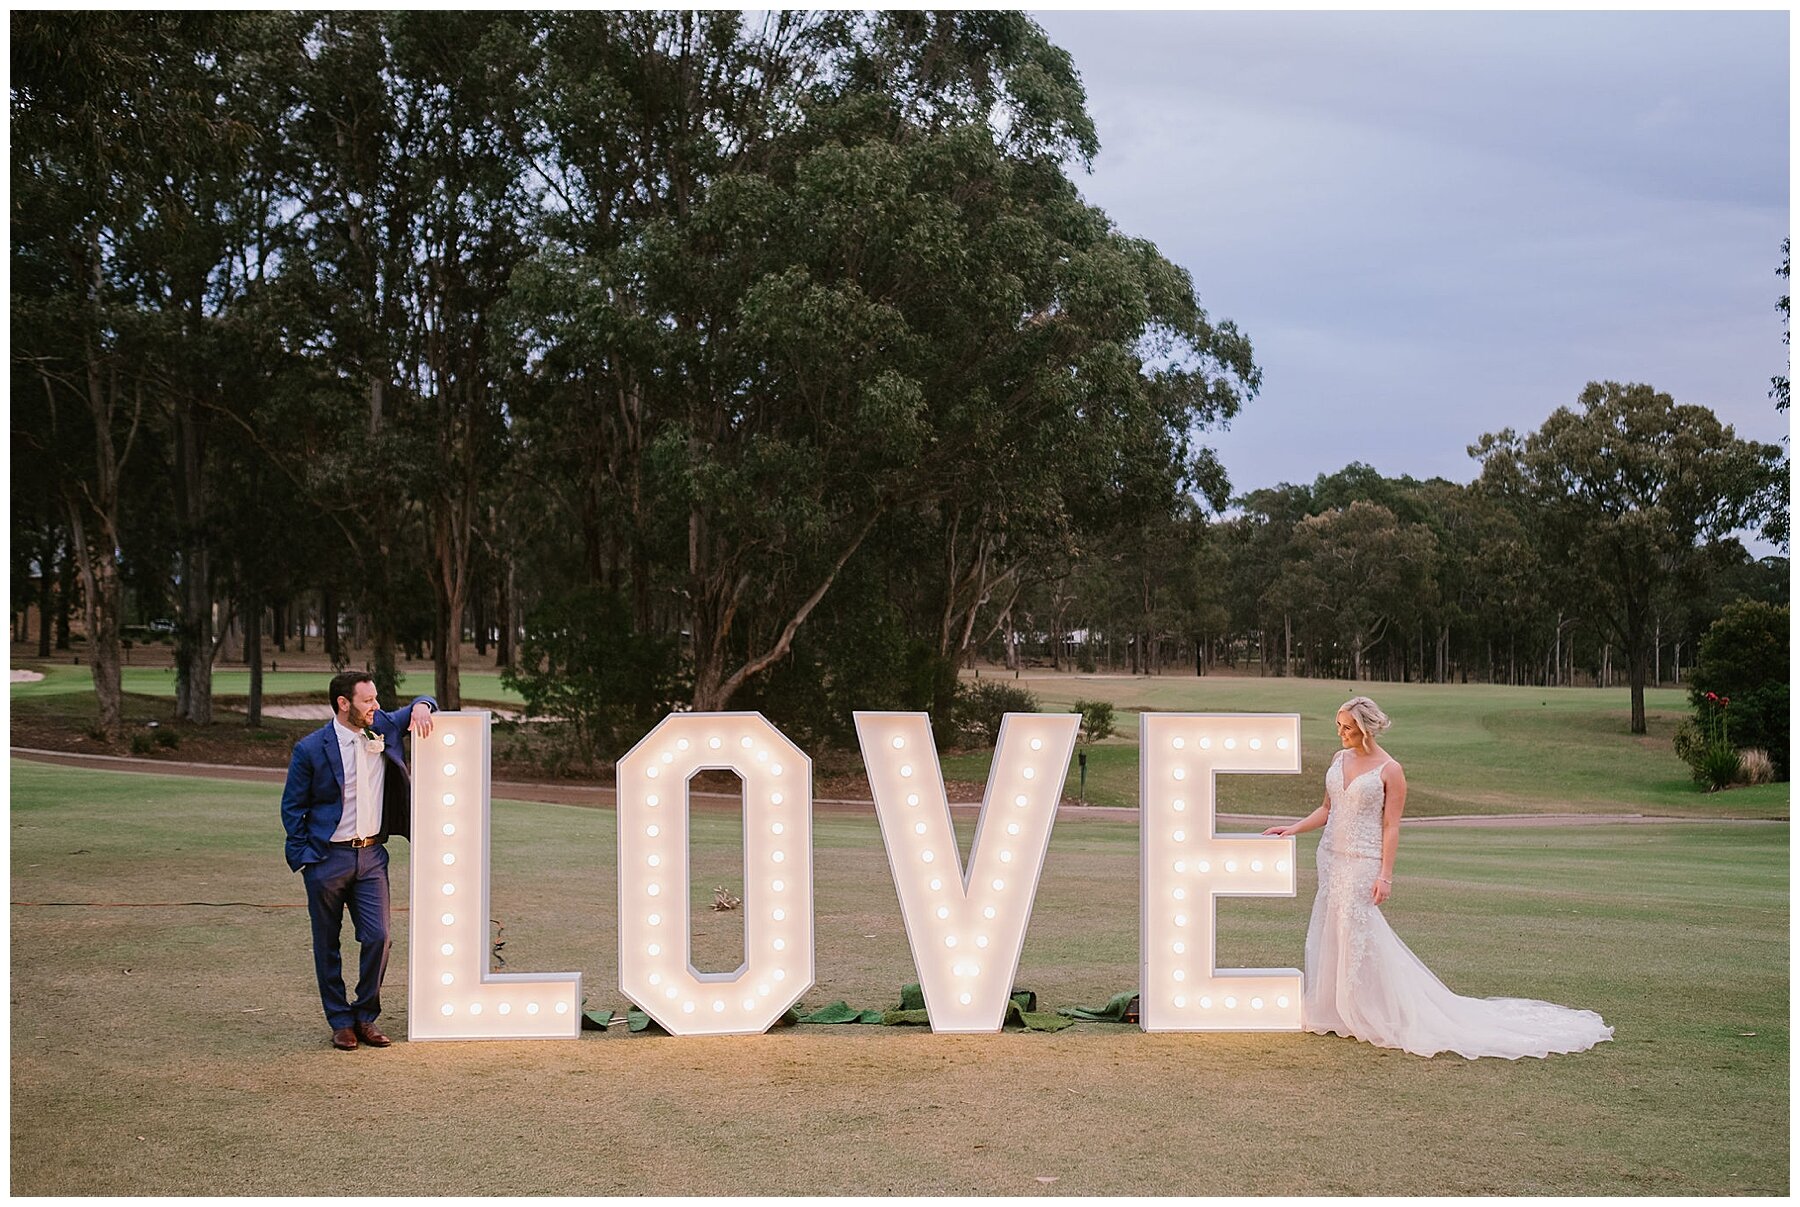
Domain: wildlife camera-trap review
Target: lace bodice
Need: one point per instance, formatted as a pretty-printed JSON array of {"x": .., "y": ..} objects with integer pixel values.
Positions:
[{"x": 1353, "y": 827}]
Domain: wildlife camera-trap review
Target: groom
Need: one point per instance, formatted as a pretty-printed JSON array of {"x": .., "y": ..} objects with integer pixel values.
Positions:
[{"x": 347, "y": 791}]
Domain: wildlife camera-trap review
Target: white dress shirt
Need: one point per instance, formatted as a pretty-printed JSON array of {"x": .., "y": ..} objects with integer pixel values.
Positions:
[{"x": 365, "y": 774}]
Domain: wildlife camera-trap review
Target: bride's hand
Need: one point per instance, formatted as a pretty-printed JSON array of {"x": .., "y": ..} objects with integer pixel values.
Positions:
[
  {"x": 1279, "y": 832},
  {"x": 1383, "y": 890}
]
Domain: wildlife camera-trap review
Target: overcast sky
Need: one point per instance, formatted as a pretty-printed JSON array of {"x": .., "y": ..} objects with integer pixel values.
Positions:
[{"x": 1434, "y": 225}]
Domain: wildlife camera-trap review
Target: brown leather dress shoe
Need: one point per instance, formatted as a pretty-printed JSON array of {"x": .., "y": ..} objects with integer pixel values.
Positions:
[
  {"x": 369, "y": 1035},
  {"x": 344, "y": 1038}
]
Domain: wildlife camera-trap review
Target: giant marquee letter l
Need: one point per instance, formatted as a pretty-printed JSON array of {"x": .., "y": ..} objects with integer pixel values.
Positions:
[
  {"x": 1187, "y": 866},
  {"x": 450, "y": 992}
]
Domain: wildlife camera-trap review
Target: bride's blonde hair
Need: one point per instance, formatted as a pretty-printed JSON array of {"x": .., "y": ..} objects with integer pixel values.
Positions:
[{"x": 1367, "y": 714}]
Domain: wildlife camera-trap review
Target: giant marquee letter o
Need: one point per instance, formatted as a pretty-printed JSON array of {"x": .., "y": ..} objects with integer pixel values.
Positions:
[{"x": 655, "y": 966}]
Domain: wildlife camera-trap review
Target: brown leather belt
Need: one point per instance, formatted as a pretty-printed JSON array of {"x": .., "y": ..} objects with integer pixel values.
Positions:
[{"x": 373, "y": 840}]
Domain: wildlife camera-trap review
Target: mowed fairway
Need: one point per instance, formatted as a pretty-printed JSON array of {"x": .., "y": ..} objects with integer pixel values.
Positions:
[{"x": 180, "y": 1049}]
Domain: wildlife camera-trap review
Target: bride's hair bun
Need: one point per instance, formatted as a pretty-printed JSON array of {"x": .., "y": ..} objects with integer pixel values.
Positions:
[{"x": 1367, "y": 714}]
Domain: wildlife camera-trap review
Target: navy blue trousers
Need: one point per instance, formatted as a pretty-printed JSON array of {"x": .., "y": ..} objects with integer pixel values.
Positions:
[{"x": 354, "y": 880}]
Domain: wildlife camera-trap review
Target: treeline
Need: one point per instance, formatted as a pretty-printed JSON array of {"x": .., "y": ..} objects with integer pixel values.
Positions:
[{"x": 698, "y": 359}]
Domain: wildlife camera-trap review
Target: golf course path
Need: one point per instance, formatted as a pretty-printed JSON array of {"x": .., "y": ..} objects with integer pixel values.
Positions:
[{"x": 597, "y": 797}]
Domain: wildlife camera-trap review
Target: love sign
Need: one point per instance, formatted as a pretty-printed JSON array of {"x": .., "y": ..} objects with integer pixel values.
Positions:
[{"x": 966, "y": 924}]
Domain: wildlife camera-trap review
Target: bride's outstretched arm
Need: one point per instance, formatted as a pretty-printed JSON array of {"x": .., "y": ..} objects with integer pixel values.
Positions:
[
  {"x": 1393, "y": 778},
  {"x": 1311, "y": 821}
]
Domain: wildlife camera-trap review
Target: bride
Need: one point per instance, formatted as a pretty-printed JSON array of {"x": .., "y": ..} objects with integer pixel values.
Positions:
[{"x": 1361, "y": 980}]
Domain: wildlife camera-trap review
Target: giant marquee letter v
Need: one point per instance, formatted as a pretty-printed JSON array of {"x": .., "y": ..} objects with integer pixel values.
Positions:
[
  {"x": 966, "y": 928},
  {"x": 451, "y": 994}
]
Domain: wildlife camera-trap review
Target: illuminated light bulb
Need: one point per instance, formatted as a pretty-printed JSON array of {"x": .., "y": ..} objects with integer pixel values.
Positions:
[
  {"x": 562, "y": 1007},
  {"x": 1178, "y": 743},
  {"x": 1029, "y": 773},
  {"x": 667, "y": 758},
  {"x": 988, "y": 912},
  {"x": 1281, "y": 743},
  {"x": 981, "y": 940},
  {"x": 1256, "y": 743},
  {"x": 965, "y": 999},
  {"x": 780, "y": 974},
  {"x": 448, "y": 949},
  {"x": 448, "y": 1009},
  {"x": 746, "y": 742},
  {"x": 449, "y": 768},
  {"x": 906, "y": 770},
  {"x": 687, "y": 1007},
  {"x": 1178, "y": 804},
  {"x": 1181, "y": 865},
  {"x": 656, "y": 978},
  {"x": 1180, "y": 1001},
  {"x": 1231, "y": 865},
  {"x": 655, "y": 919},
  {"x": 652, "y": 831},
  {"x": 504, "y": 1007},
  {"x": 1179, "y": 836},
  {"x": 531, "y": 1007},
  {"x": 1020, "y": 800},
  {"x": 1231, "y": 1003},
  {"x": 449, "y": 889},
  {"x": 775, "y": 798},
  {"x": 718, "y": 1006},
  {"x": 899, "y": 743},
  {"x": 927, "y": 856},
  {"x": 999, "y": 884},
  {"x": 949, "y": 940},
  {"x": 1281, "y": 865},
  {"x": 1256, "y": 865},
  {"x": 762, "y": 990},
  {"x": 653, "y": 889},
  {"x": 1231, "y": 743},
  {"x": 1179, "y": 975},
  {"x": 1206, "y": 743},
  {"x": 714, "y": 743},
  {"x": 919, "y": 828},
  {"x": 912, "y": 798},
  {"x": 448, "y": 919},
  {"x": 777, "y": 885},
  {"x": 449, "y": 829},
  {"x": 778, "y": 914},
  {"x": 448, "y": 979},
  {"x": 774, "y": 768},
  {"x": 776, "y": 827},
  {"x": 653, "y": 800},
  {"x": 1006, "y": 857},
  {"x": 1179, "y": 773},
  {"x": 749, "y": 1003},
  {"x": 1181, "y": 919},
  {"x": 936, "y": 884},
  {"x": 1012, "y": 827},
  {"x": 779, "y": 944},
  {"x": 1206, "y": 1003},
  {"x": 1256, "y": 1003},
  {"x": 681, "y": 743},
  {"x": 1282, "y": 1001},
  {"x": 475, "y": 1008},
  {"x": 943, "y": 911},
  {"x": 777, "y": 856},
  {"x": 1180, "y": 894},
  {"x": 449, "y": 798},
  {"x": 651, "y": 772},
  {"x": 449, "y": 859},
  {"x": 671, "y": 993},
  {"x": 1204, "y": 865},
  {"x": 449, "y": 739},
  {"x": 1037, "y": 743},
  {"x": 653, "y": 949},
  {"x": 1178, "y": 948},
  {"x": 762, "y": 756}
]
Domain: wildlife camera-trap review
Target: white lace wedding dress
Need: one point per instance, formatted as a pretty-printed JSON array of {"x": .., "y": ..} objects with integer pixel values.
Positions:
[{"x": 1363, "y": 982}]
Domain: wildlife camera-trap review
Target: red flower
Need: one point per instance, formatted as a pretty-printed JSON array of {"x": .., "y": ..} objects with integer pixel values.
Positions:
[
  {"x": 1712, "y": 695},
  {"x": 1724, "y": 701}
]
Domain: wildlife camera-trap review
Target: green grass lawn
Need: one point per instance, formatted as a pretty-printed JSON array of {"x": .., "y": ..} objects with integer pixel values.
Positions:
[
  {"x": 179, "y": 1048},
  {"x": 1466, "y": 749},
  {"x": 232, "y": 687}
]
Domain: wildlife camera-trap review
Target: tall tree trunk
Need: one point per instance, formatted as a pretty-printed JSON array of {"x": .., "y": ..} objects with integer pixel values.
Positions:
[
  {"x": 194, "y": 601},
  {"x": 65, "y": 595},
  {"x": 101, "y": 603},
  {"x": 328, "y": 625},
  {"x": 253, "y": 627},
  {"x": 46, "y": 569}
]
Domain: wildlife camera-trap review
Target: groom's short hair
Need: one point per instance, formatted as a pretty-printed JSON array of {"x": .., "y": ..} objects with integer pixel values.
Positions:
[{"x": 344, "y": 684}]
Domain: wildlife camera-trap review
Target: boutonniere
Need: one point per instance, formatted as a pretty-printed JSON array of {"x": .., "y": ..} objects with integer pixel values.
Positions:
[{"x": 375, "y": 742}]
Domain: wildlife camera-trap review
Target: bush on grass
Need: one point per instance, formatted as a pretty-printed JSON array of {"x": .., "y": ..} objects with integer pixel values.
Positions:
[
  {"x": 1096, "y": 718},
  {"x": 1743, "y": 659},
  {"x": 980, "y": 707},
  {"x": 1755, "y": 767}
]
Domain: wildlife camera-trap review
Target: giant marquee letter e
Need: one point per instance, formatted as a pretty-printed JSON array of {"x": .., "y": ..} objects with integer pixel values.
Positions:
[
  {"x": 1187, "y": 866},
  {"x": 966, "y": 928},
  {"x": 450, "y": 992},
  {"x": 655, "y": 902}
]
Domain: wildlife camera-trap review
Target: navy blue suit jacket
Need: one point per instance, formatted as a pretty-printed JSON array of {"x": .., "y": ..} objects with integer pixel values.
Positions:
[{"x": 312, "y": 804}]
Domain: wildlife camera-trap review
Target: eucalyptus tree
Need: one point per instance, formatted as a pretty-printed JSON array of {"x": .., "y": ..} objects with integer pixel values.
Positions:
[{"x": 1623, "y": 492}]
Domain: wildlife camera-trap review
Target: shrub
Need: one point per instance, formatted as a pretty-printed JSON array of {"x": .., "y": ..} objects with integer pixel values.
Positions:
[
  {"x": 1754, "y": 767},
  {"x": 981, "y": 705},
  {"x": 1096, "y": 718},
  {"x": 1744, "y": 658},
  {"x": 167, "y": 738},
  {"x": 1690, "y": 741},
  {"x": 1718, "y": 766},
  {"x": 141, "y": 743}
]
